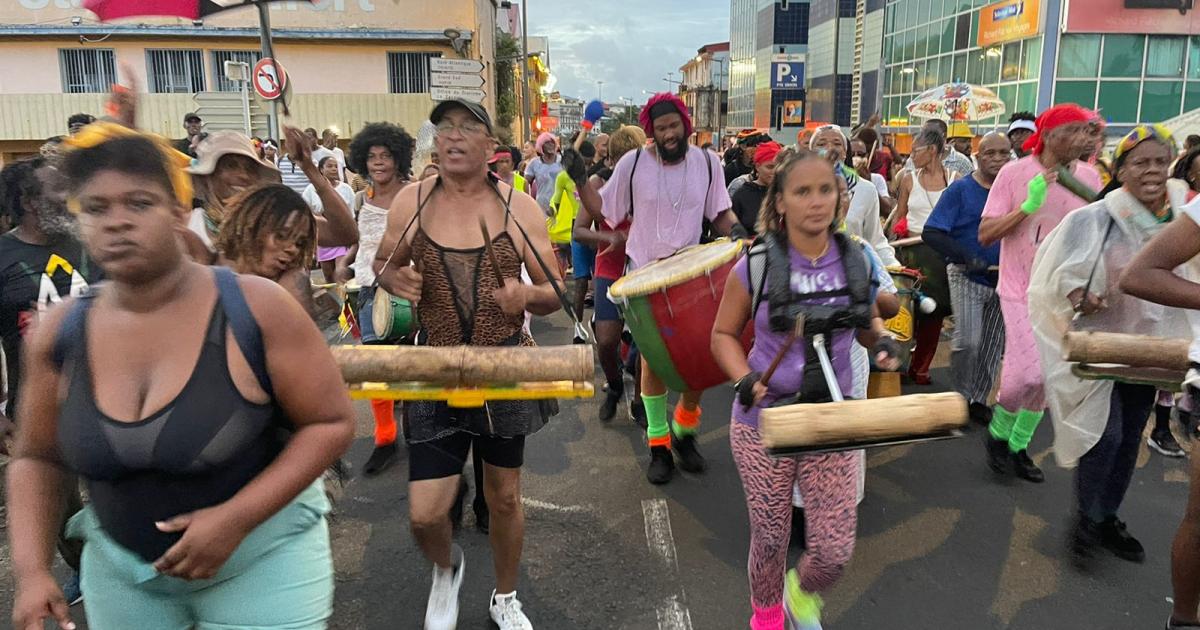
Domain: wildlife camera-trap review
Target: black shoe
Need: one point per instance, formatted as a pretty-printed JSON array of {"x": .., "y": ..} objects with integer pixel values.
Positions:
[
  {"x": 1082, "y": 541},
  {"x": 662, "y": 465},
  {"x": 608, "y": 408},
  {"x": 456, "y": 508},
  {"x": 980, "y": 414},
  {"x": 637, "y": 413},
  {"x": 1164, "y": 442},
  {"x": 690, "y": 459},
  {"x": 578, "y": 340},
  {"x": 1024, "y": 467},
  {"x": 1115, "y": 538},
  {"x": 380, "y": 459},
  {"x": 998, "y": 457}
]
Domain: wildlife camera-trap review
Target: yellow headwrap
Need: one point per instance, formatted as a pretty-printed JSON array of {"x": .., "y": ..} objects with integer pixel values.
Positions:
[{"x": 174, "y": 162}]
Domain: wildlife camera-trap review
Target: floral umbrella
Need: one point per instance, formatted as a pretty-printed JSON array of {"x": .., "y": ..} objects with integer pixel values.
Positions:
[{"x": 957, "y": 101}]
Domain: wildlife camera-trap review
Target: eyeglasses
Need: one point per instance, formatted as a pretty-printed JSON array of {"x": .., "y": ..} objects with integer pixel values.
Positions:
[{"x": 466, "y": 128}]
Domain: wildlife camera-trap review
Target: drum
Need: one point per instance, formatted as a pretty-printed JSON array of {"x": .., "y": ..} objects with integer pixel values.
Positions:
[
  {"x": 393, "y": 317},
  {"x": 901, "y": 326},
  {"x": 670, "y": 306}
]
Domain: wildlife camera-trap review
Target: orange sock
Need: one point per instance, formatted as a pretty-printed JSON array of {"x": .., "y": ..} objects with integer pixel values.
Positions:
[
  {"x": 385, "y": 421},
  {"x": 686, "y": 420}
]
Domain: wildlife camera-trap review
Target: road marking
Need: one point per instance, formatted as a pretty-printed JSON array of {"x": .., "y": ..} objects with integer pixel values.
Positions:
[
  {"x": 672, "y": 613},
  {"x": 554, "y": 507}
]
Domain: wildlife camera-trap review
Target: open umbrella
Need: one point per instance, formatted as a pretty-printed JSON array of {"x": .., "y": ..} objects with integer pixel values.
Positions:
[
  {"x": 957, "y": 101},
  {"x": 108, "y": 10}
]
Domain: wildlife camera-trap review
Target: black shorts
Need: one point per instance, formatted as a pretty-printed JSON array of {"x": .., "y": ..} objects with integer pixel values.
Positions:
[{"x": 446, "y": 456}]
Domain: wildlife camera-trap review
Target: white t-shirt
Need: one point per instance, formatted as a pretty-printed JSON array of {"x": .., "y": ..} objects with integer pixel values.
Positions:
[
  {"x": 1192, "y": 210},
  {"x": 314, "y": 201},
  {"x": 881, "y": 185},
  {"x": 320, "y": 153},
  {"x": 197, "y": 224}
]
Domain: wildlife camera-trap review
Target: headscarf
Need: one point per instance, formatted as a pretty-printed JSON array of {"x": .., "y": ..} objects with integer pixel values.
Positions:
[
  {"x": 174, "y": 162},
  {"x": 766, "y": 152},
  {"x": 812, "y": 140},
  {"x": 1140, "y": 134},
  {"x": 662, "y": 104},
  {"x": 1056, "y": 116},
  {"x": 542, "y": 139}
]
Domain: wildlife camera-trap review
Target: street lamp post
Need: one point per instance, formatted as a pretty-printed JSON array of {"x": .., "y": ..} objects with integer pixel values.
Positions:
[
  {"x": 600, "y": 91},
  {"x": 526, "y": 113}
]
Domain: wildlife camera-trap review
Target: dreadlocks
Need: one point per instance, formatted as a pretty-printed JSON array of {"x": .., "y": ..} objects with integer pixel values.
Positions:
[{"x": 270, "y": 210}]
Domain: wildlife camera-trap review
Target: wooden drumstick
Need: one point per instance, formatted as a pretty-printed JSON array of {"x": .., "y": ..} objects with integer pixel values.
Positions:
[
  {"x": 797, "y": 332},
  {"x": 491, "y": 253}
]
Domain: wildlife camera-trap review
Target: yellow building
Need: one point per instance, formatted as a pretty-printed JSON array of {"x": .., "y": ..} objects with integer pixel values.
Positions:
[{"x": 348, "y": 62}]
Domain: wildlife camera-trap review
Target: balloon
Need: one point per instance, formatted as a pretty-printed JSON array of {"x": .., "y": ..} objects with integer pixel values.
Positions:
[{"x": 592, "y": 114}]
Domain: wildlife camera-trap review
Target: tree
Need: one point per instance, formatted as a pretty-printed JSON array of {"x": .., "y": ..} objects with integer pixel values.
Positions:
[{"x": 507, "y": 52}]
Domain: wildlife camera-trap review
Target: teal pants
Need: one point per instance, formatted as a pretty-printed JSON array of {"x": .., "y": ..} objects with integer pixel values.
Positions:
[{"x": 280, "y": 577}]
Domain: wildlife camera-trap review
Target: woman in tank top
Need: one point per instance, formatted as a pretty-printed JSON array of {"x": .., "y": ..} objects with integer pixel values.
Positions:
[
  {"x": 919, "y": 194},
  {"x": 202, "y": 457}
]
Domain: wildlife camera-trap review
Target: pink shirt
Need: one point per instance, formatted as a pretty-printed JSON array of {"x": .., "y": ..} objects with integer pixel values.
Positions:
[
  {"x": 660, "y": 227},
  {"x": 1018, "y": 247}
]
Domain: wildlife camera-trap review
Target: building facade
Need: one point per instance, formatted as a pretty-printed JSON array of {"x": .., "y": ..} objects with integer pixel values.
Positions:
[
  {"x": 845, "y": 38},
  {"x": 348, "y": 62},
  {"x": 704, "y": 88},
  {"x": 1134, "y": 65},
  {"x": 768, "y": 41}
]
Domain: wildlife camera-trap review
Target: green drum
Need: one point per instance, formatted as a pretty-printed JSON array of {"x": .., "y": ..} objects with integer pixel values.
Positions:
[{"x": 393, "y": 317}]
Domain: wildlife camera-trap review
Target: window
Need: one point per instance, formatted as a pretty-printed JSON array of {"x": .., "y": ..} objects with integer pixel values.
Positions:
[
  {"x": 1008, "y": 94},
  {"x": 1119, "y": 101},
  {"x": 1165, "y": 57},
  {"x": 948, "y": 35},
  {"x": 408, "y": 72},
  {"x": 1010, "y": 64},
  {"x": 944, "y": 73},
  {"x": 1194, "y": 59},
  {"x": 90, "y": 70},
  {"x": 1031, "y": 58},
  {"x": 1123, "y": 56},
  {"x": 962, "y": 32},
  {"x": 1161, "y": 100},
  {"x": 1191, "y": 98},
  {"x": 175, "y": 71},
  {"x": 1027, "y": 97},
  {"x": 219, "y": 57},
  {"x": 960, "y": 68},
  {"x": 1080, "y": 92},
  {"x": 1079, "y": 56}
]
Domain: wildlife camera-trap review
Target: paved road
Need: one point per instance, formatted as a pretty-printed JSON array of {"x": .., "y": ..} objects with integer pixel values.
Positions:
[{"x": 942, "y": 543}]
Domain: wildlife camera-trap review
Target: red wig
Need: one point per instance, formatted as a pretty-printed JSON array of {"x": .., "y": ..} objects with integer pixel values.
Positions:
[{"x": 660, "y": 104}]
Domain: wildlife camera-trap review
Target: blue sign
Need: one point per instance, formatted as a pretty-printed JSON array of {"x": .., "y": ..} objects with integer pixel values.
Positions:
[{"x": 787, "y": 75}]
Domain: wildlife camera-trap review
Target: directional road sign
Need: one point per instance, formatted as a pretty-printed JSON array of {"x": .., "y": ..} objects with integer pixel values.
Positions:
[
  {"x": 461, "y": 66},
  {"x": 447, "y": 93},
  {"x": 453, "y": 79}
]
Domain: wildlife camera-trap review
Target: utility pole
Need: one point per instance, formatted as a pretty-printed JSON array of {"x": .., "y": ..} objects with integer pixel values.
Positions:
[
  {"x": 671, "y": 82},
  {"x": 600, "y": 91},
  {"x": 526, "y": 113},
  {"x": 264, "y": 25}
]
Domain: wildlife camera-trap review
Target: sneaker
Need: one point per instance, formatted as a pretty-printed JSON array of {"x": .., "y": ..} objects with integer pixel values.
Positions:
[
  {"x": 441, "y": 613},
  {"x": 1165, "y": 443},
  {"x": 380, "y": 459},
  {"x": 690, "y": 459},
  {"x": 802, "y": 610},
  {"x": 71, "y": 590},
  {"x": 1115, "y": 538},
  {"x": 637, "y": 413},
  {"x": 608, "y": 408},
  {"x": 662, "y": 465},
  {"x": 998, "y": 457},
  {"x": 506, "y": 613},
  {"x": 1024, "y": 467}
]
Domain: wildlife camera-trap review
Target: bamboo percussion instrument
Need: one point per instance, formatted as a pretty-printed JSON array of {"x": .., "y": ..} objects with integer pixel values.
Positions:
[
  {"x": 855, "y": 424},
  {"x": 464, "y": 366},
  {"x": 907, "y": 242},
  {"x": 1132, "y": 350},
  {"x": 1166, "y": 380},
  {"x": 491, "y": 253}
]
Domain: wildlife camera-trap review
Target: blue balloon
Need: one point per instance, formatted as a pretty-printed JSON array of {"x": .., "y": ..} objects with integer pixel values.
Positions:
[{"x": 594, "y": 111}]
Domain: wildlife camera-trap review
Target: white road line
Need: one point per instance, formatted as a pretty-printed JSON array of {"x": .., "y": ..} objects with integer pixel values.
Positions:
[
  {"x": 672, "y": 613},
  {"x": 554, "y": 507}
]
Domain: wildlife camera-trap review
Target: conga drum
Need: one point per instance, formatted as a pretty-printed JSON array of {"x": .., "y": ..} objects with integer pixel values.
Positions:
[
  {"x": 901, "y": 326},
  {"x": 670, "y": 306},
  {"x": 393, "y": 317}
]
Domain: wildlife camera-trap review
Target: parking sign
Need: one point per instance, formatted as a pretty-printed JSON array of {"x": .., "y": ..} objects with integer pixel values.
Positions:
[{"x": 787, "y": 72}]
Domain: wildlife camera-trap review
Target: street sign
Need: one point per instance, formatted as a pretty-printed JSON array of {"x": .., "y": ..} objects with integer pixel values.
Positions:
[
  {"x": 266, "y": 83},
  {"x": 447, "y": 93},
  {"x": 453, "y": 79},
  {"x": 461, "y": 66},
  {"x": 787, "y": 72}
]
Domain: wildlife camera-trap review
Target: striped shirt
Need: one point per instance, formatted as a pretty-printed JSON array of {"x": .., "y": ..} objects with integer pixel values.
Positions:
[{"x": 293, "y": 177}]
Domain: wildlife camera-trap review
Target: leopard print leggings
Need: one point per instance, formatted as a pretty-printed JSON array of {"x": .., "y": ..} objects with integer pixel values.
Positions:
[{"x": 828, "y": 483}]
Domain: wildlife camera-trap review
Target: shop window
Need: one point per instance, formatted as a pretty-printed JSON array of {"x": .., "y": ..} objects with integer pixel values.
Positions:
[
  {"x": 1027, "y": 94},
  {"x": 1078, "y": 56},
  {"x": 1165, "y": 57},
  {"x": 962, "y": 32},
  {"x": 1191, "y": 96},
  {"x": 1122, "y": 56},
  {"x": 1161, "y": 100},
  {"x": 948, "y": 35},
  {"x": 975, "y": 67},
  {"x": 1118, "y": 101},
  {"x": 1010, "y": 62},
  {"x": 960, "y": 67},
  {"x": 1008, "y": 94},
  {"x": 991, "y": 65},
  {"x": 1031, "y": 58},
  {"x": 945, "y": 71},
  {"x": 1079, "y": 92}
]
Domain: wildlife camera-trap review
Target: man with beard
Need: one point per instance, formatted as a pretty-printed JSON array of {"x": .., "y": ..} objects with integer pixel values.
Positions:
[
  {"x": 669, "y": 190},
  {"x": 41, "y": 264}
]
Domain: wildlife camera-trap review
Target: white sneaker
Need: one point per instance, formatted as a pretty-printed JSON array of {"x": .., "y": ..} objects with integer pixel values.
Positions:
[
  {"x": 506, "y": 613},
  {"x": 441, "y": 613}
]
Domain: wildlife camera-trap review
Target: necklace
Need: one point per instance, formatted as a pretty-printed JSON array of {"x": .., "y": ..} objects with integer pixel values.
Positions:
[
  {"x": 662, "y": 189},
  {"x": 813, "y": 260}
]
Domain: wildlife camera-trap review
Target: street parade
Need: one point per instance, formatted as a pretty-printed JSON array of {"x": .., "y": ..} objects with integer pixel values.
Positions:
[{"x": 359, "y": 314}]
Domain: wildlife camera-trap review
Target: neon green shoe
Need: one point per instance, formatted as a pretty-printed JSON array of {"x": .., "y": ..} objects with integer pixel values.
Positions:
[{"x": 803, "y": 609}]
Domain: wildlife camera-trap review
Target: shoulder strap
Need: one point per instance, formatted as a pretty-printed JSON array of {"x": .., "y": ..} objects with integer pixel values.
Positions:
[
  {"x": 1107, "y": 230},
  {"x": 636, "y": 156},
  {"x": 360, "y": 198},
  {"x": 708, "y": 167},
  {"x": 71, "y": 332},
  {"x": 246, "y": 331},
  {"x": 856, "y": 266},
  {"x": 757, "y": 262}
]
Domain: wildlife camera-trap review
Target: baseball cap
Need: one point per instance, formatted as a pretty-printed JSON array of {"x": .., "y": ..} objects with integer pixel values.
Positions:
[
  {"x": 441, "y": 109},
  {"x": 190, "y": 116}
]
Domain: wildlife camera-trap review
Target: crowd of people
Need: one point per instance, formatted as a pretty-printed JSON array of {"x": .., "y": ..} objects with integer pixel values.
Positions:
[{"x": 207, "y": 480}]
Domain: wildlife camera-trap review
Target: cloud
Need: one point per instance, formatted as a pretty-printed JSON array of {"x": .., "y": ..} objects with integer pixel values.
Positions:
[{"x": 630, "y": 45}]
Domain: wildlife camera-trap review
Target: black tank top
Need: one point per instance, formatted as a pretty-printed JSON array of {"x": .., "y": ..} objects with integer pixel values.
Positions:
[{"x": 196, "y": 452}]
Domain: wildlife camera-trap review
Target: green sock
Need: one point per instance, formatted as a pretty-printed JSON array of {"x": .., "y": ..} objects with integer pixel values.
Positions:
[
  {"x": 657, "y": 431},
  {"x": 1022, "y": 431},
  {"x": 1002, "y": 423}
]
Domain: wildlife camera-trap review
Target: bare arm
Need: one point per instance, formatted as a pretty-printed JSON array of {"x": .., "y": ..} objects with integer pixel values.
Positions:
[
  {"x": 540, "y": 297},
  {"x": 339, "y": 228},
  {"x": 724, "y": 222},
  {"x": 1150, "y": 275},
  {"x": 583, "y": 232},
  {"x": 992, "y": 229},
  {"x": 399, "y": 278},
  {"x": 905, "y": 188}
]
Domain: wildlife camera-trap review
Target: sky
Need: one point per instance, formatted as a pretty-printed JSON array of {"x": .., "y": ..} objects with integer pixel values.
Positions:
[{"x": 630, "y": 45}]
